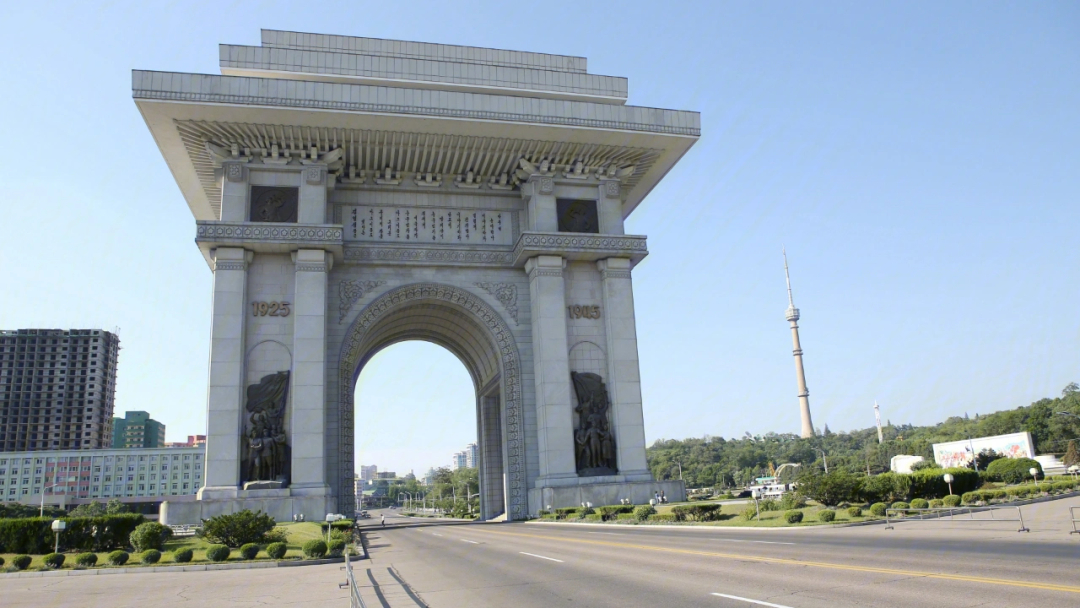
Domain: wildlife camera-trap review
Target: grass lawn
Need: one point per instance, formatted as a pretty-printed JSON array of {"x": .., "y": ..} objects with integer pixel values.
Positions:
[{"x": 298, "y": 534}]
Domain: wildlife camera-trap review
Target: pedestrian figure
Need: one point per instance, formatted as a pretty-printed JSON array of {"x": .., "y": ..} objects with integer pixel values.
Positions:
[
  {"x": 662, "y": 497},
  {"x": 382, "y": 520}
]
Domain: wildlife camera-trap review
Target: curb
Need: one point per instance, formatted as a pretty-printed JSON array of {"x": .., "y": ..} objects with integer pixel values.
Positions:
[
  {"x": 703, "y": 527},
  {"x": 196, "y": 568}
]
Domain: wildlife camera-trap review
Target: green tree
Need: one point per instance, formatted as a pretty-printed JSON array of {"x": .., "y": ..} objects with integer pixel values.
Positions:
[
  {"x": 829, "y": 489},
  {"x": 1071, "y": 456}
]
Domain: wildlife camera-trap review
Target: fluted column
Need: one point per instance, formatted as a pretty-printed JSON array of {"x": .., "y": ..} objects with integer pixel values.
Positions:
[
  {"x": 554, "y": 408},
  {"x": 225, "y": 391}
]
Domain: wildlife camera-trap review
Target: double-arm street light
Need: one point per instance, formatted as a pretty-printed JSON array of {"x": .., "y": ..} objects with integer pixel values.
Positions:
[{"x": 826, "y": 462}]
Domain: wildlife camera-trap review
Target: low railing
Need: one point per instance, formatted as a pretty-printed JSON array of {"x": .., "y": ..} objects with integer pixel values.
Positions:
[
  {"x": 1072, "y": 516},
  {"x": 355, "y": 601},
  {"x": 940, "y": 513}
]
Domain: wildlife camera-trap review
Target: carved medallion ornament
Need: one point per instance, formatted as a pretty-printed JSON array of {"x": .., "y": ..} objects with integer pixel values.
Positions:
[
  {"x": 506, "y": 294},
  {"x": 266, "y": 449},
  {"x": 349, "y": 292},
  {"x": 502, "y": 338},
  {"x": 273, "y": 204},
  {"x": 594, "y": 443}
]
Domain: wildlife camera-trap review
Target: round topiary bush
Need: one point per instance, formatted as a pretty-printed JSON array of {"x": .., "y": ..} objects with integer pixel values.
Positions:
[
  {"x": 900, "y": 505},
  {"x": 21, "y": 562},
  {"x": 315, "y": 549},
  {"x": 276, "y": 550},
  {"x": 87, "y": 560},
  {"x": 793, "y": 517},
  {"x": 878, "y": 509},
  {"x": 336, "y": 547},
  {"x": 970, "y": 498},
  {"x": 183, "y": 556},
  {"x": 150, "y": 556},
  {"x": 920, "y": 503},
  {"x": 249, "y": 551},
  {"x": 854, "y": 511},
  {"x": 748, "y": 513},
  {"x": 118, "y": 557},
  {"x": 53, "y": 561},
  {"x": 643, "y": 512},
  {"x": 150, "y": 535},
  {"x": 217, "y": 553},
  {"x": 952, "y": 500},
  {"x": 826, "y": 515},
  {"x": 937, "y": 503},
  {"x": 1, "y": 561}
]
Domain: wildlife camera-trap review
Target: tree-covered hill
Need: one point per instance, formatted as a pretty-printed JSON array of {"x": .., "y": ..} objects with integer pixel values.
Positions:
[{"x": 711, "y": 461}]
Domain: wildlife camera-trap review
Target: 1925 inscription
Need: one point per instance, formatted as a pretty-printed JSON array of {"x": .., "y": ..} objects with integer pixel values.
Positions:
[
  {"x": 578, "y": 311},
  {"x": 270, "y": 309}
]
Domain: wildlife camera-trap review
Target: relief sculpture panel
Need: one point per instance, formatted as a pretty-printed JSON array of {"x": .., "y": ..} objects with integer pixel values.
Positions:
[
  {"x": 594, "y": 443},
  {"x": 266, "y": 447}
]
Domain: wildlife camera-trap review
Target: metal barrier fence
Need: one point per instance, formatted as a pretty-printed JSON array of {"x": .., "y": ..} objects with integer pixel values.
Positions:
[
  {"x": 1072, "y": 516},
  {"x": 939, "y": 513},
  {"x": 355, "y": 601}
]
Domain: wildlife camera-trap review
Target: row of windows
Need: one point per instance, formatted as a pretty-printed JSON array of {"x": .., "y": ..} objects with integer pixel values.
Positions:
[{"x": 117, "y": 491}]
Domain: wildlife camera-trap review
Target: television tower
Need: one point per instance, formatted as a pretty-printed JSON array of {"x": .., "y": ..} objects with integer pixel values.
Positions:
[
  {"x": 800, "y": 375},
  {"x": 877, "y": 416}
]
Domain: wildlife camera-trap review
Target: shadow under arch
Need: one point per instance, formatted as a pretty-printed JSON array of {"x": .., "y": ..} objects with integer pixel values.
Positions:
[{"x": 464, "y": 324}]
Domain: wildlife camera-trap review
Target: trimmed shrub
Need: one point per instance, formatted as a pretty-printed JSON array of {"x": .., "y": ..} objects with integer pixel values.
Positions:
[
  {"x": 276, "y": 550},
  {"x": 826, "y": 515},
  {"x": 21, "y": 562},
  {"x": 748, "y": 513},
  {"x": 610, "y": 512},
  {"x": 335, "y": 548},
  {"x": 626, "y": 517},
  {"x": 238, "y": 529},
  {"x": 702, "y": 512},
  {"x": 830, "y": 489},
  {"x": 543, "y": 513},
  {"x": 150, "y": 535},
  {"x": 566, "y": 512},
  {"x": 88, "y": 560},
  {"x": 919, "y": 503},
  {"x": 344, "y": 525},
  {"x": 970, "y": 498},
  {"x": 952, "y": 500},
  {"x": 1, "y": 561},
  {"x": 770, "y": 504},
  {"x": 594, "y": 517},
  {"x": 1012, "y": 470},
  {"x": 183, "y": 556},
  {"x": 878, "y": 509},
  {"x": 34, "y": 535},
  {"x": 118, "y": 558},
  {"x": 150, "y": 556},
  {"x": 793, "y": 517},
  {"x": 662, "y": 518},
  {"x": 937, "y": 503},
  {"x": 792, "y": 500},
  {"x": 887, "y": 487},
  {"x": 250, "y": 551},
  {"x": 218, "y": 553},
  {"x": 644, "y": 512},
  {"x": 900, "y": 505},
  {"x": 854, "y": 511},
  {"x": 582, "y": 513},
  {"x": 930, "y": 483},
  {"x": 315, "y": 549},
  {"x": 53, "y": 561}
]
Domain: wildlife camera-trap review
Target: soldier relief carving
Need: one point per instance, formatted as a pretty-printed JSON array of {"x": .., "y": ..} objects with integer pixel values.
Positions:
[
  {"x": 594, "y": 443},
  {"x": 267, "y": 449}
]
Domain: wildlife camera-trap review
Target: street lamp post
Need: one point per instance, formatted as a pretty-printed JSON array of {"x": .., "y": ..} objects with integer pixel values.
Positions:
[
  {"x": 680, "y": 469},
  {"x": 1035, "y": 475},
  {"x": 948, "y": 479},
  {"x": 41, "y": 513},
  {"x": 58, "y": 526},
  {"x": 823, "y": 459}
]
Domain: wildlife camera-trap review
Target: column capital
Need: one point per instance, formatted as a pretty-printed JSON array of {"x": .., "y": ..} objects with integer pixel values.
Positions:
[
  {"x": 614, "y": 268},
  {"x": 609, "y": 188},
  {"x": 545, "y": 266},
  {"x": 312, "y": 260},
  {"x": 235, "y": 171},
  {"x": 231, "y": 258}
]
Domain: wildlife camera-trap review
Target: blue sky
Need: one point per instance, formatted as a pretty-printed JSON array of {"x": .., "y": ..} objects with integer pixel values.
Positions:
[{"x": 918, "y": 160}]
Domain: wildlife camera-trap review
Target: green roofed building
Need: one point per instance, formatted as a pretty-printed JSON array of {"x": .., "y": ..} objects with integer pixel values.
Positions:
[{"x": 138, "y": 430}]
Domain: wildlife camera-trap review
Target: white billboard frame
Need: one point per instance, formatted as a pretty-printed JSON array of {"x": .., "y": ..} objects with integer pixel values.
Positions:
[{"x": 960, "y": 453}]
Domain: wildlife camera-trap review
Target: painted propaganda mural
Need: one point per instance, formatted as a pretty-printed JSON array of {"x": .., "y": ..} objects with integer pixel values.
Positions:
[{"x": 960, "y": 453}]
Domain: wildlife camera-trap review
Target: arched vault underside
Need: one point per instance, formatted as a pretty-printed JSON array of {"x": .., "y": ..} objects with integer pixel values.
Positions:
[{"x": 462, "y": 323}]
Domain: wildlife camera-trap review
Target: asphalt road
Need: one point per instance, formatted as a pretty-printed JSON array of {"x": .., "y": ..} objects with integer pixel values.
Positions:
[{"x": 954, "y": 564}]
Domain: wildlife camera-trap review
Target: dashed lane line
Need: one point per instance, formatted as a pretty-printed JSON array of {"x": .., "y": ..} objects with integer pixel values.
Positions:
[
  {"x": 541, "y": 557},
  {"x": 746, "y": 599}
]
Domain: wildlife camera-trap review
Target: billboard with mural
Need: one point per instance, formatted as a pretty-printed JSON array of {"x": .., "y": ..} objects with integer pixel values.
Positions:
[{"x": 960, "y": 453}]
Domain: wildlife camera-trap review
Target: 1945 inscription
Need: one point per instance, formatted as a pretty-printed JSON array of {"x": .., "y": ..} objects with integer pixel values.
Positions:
[{"x": 583, "y": 312}]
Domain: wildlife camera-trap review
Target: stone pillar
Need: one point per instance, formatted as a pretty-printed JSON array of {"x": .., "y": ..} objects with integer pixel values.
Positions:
[
  {"x": 610, "y": 207},
  {"x": 308, "y": 420},
  {"x": 490, "y": 439},
  {"x": 539, "y": 192},
  {"x": 225, "y": 393},
  {"x": 554, "y": 405},
  {"x": 311, "y": 208},
  {"x": 624, "y": 378},
  {"x": 234, "y": 192}
]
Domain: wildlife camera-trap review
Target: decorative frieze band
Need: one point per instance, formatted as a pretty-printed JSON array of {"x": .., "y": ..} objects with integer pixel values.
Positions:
[
  {"x": 230, "y": 265},
  {"x": 545, "y": 272},
  {"x": 212, "y": 230},
  {"x": 614, "y": 274},
  {"x": 575, "y": 246},
  {"x": 312, "y": 267}
]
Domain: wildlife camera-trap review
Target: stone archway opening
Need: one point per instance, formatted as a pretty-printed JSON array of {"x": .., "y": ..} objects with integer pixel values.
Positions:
[
  {"x": 416, "y": 405},
  {"x": 463, "y": 324}
]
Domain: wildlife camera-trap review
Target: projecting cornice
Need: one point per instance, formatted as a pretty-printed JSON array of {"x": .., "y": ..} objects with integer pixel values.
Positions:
[
  {"x": 580, "y": 247},
  {"x": 269, "y": 237}
]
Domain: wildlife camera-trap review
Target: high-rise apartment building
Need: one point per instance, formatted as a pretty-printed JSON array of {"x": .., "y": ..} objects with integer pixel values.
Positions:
[
  {"x": 137, "y": 430},
  {"x": 57, "y": 388},
  {"x": 470, "y": 455},
  {"x": 369, "y": 472},
  {"x": 459, "y": 460}
]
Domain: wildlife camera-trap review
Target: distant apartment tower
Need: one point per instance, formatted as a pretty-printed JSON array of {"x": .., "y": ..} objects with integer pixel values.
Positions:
[
  {"x": 369, "y": 472},
  {"x": 137, "y": 430},
  {"x": 193, "y": 441},
  {"x": 57, "y": 388},
  {"x": 459, "y": 460},
  {"x": 470, "y": 455}
]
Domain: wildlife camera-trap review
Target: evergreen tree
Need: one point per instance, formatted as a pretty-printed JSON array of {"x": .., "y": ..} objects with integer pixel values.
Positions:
[{"x": 1071, "y": 456}]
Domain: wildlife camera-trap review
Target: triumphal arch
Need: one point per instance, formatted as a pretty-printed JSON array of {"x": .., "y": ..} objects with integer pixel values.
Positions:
[{"x": 351, "y": 193}]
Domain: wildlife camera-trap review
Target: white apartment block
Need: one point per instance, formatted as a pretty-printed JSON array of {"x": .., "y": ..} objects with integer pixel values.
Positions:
[{"x": 67, "y": 476}]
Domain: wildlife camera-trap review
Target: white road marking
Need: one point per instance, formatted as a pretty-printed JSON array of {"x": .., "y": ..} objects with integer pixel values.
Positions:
[
  {"x": 746, "y": 599},
  {"x": 764, "y": 542},
  {"x": 541, "y": 556},
  {"x": 469, "y": 541},
  {"x": 608, "y": 533},
  {"x": 436, "y": 534}
]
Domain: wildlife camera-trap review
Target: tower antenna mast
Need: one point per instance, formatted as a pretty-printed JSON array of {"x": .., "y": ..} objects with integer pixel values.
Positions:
[
  {"x": 792, "y": 314},
  {"x": 877, "y": 416}
]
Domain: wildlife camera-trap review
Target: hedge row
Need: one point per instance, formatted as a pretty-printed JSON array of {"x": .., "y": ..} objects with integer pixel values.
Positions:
[
  {"x": 702, "y": 512},
  {"x": 99, "y": 534}
]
